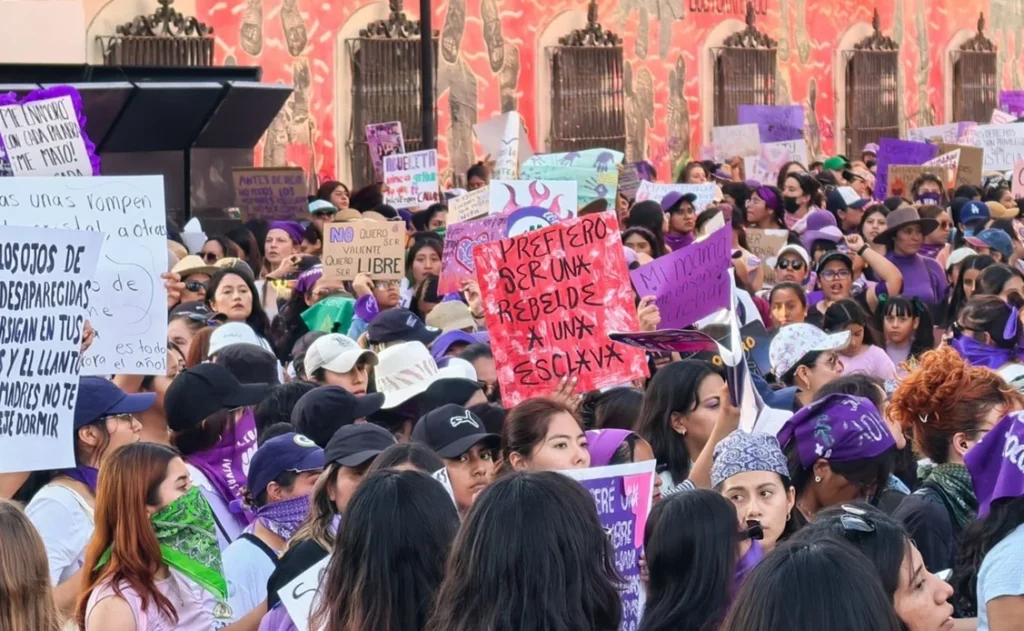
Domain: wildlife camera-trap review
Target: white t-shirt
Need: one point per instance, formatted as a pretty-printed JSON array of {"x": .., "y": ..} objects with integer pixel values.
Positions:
[
  {"x": 228, "y": 528},
  {"x": 247, "y": 567},
  {"x": 1000, "y": 573},
  {"x": 65, "y": 523}
]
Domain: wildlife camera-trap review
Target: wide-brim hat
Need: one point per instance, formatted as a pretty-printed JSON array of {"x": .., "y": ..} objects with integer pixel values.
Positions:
[{"x": 901, "y": 217}]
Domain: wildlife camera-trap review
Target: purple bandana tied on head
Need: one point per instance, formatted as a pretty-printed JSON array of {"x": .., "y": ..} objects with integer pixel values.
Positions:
[
  {"x": 838, "y": 428},
  {"x": 309, "y": 278},
  {"x": 283, "y": 518},
  {"x": 603, "y": 443},
  {"x": 294, "y": 230},
  {"x": 976, "y": 353},
  {"x": 996, "y": 463}
]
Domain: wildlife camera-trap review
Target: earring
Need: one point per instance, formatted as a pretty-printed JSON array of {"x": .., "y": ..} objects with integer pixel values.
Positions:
[
  {"x": 817, "y": 478},
  {"x": 789, "y": 515}
]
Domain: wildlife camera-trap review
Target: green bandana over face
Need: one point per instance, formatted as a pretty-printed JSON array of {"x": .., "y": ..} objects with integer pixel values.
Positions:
[{"x": 187, "y": 534}]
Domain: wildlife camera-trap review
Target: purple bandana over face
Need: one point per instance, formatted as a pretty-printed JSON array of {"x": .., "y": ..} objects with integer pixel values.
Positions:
[
  {"x": 284, "y": 518},
  {"x": 996, "y": 463},
  {"x": 838, "y": 428},
  {"x": 977, "y": 354},
  {"x": 226, "y": 464}
]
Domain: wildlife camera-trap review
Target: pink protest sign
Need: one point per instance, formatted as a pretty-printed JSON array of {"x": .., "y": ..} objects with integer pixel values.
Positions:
[
  {"x": 457, "y": 263},
  {"x": 690, "y": 283},
  {"x": 551, "y": 296}
]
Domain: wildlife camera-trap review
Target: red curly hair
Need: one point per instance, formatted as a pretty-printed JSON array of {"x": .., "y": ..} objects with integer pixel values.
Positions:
[{"x": 946, "y": 396}]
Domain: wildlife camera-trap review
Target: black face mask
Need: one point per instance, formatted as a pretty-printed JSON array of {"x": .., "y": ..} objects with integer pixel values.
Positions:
[
  {"x": 790, "y": 204},
  {"x": 871, "y": 163}
]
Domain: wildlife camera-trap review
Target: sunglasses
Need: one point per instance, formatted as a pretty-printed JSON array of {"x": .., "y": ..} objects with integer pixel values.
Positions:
[
  {"x": 785, "y": 264},
  {"x": 206, "y": 318},
  {"x": 195, "y": 286},
  {"x": 209, "y": 257}
]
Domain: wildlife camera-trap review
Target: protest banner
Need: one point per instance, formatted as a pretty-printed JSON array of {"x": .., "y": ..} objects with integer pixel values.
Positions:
[
  {"x": 364, "y": 246},
  {"x": 936, "y": 133},
  {"x": 270, "y": 193},
  {"x": 457, "y": 263},
  {"x": 1003, "y": 145},
  {"x": 44, "y": 300},
  {"x": 1012, "y": 102},
  {"x": 550, "y": 298},
  {"x": 902, "y": 176},
  {"x": 591, "y": 182},
  {"x": 623, "y": 495},
  {"x": 384, "y": 139},
  {"x": 968, "y": 168},
  {"x": 775, "y": 123},
  {"x": 410, "y": 179},
  {"x": 903, "y": 152},
  {"x": 558, "y": 196},
  {"x": 689, "y": 283},
  {"x": 735, "y": 140},
  {"x": 949, "y": 160},
  {"x": 299, "y": 596},
  {"x": 656, "y": 192},
  {"x": 504, "y": 139},
  {"x": 601, "y": 159},
  {"x": 44, "y": 138},
  {"x": 1018, "y": 179},
  {"x": 765, "y": 166},
  {"x": 1000, "y": 117},
  {"x": 765, "y": 245},
  {"x": 128, "y": 306},
  {"x": 469, "y": 206}
]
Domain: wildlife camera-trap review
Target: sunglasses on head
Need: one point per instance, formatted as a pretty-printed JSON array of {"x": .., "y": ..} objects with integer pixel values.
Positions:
[
  {"x": 855, "y": 521},
  {"x": 785, "y": 264},
  {"x": 195, "y": 286}
]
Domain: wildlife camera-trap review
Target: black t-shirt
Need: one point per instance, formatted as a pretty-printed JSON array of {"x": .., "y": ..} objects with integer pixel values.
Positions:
[
  {"x": 927, "y": 520},
  {"x": 297, "y": 560}
]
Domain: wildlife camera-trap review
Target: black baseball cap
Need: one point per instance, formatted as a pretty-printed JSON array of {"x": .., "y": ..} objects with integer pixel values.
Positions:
[
  {"x": 445, "y": 391},
  {"x": 204, "y": 389},
  {"x": 355, "y": 445},
  {"x": 835, "y": 255},
  {"x": 400, "y": 325},
  {"x": 451, "y": 431},
  {"x": 322, "y": 411}
]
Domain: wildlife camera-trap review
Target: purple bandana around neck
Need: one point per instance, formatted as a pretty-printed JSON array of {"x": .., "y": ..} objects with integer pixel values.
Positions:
[
  {"x": 678, "y": 241},
  {"x": 931, "y": 250},
  {"x": 86, "y": 475},
  {"x": 977, "y": 354},
  {"x": 283, "y": 518},
  {"x": 226, "y": 464},
  {"x": 996, "y": 463},
  {"x": 838, "y": 428}
]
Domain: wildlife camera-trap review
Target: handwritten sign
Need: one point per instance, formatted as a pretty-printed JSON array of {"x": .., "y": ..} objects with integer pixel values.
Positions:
[
  {"x": 128, "y": 305},
  {"x": 656, "y": 192},
  {"x": 550, "y": 298},
  {"x": 775, "y": 123},
  {"x": 558, "y": 196},
  {"x": 903, "y": 152},
  {"x": 735, "y": 140},
  {"x": 690, "y": 283},
  {"x": 623, "y": 495},
  {"x": 1000, "y": 117},
  {"x": 765, "y": 166},
  {"x": 1003, "y": 145},
  {"x": 1018, "y": 179},
  {"x": 631, "y": 176},
  {"x": 1012, "y": 102},
  {"x": 968, "y": 168},
  {"x": 460, "y": 239},
  {"x": 949, "y": 160},
  {"x": 364, "y": 246},
  {"x": 410, "y": 179},
  {"x": 469, "y": 206},
  {"x": 299, "y": 596},
  {"x": 44, "y": 300},
  {"x": 504, "y": 139},
  {"x": 765, "y": 245},
  {"x": 902, "y": 176},
  {"x": 43, "y": 138},
  {"x": 935, "y": 133},
  {"x": 270, "y": 193},
  {"x": 384, "y": 139},
  {"x": 591, "y": 182}
]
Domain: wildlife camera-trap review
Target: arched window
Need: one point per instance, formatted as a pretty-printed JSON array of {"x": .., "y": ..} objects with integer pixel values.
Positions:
[
  {"x": 872, "y": 105},
  {"x": 975, "y": 78},
  {"x": 587, "y": 90},
  {"x": 744, "y": 71}
]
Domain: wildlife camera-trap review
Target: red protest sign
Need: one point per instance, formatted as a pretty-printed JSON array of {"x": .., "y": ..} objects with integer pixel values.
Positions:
[{"x": 551, "y": 297}]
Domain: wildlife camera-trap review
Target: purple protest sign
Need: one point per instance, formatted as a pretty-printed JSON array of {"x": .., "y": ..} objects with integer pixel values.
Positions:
[
  {"x": 459, "y": 240},
  {"x": 384, "y": 139},
  {"x": 776, "y": 123},
  {"x": 1012, "y": 102},
  {"x": 690, "y": 283},
  {"x": 900, "y": 152},
  {"x": 623, "y": 497}
]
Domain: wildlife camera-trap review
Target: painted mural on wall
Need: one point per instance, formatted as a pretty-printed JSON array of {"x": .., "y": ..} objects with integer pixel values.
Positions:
[{"x": 489, "y": 58}]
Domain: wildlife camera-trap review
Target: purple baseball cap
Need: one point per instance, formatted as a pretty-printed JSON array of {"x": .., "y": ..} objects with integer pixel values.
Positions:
[
  {"x": 602, "y": 444},
  {"x": 994, "y": 463},
  {"x": 838, "y": 428},
  {"x": 674, "y": 197}
]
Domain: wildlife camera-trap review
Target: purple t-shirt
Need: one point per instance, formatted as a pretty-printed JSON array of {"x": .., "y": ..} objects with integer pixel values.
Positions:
[{"x": 923, "y": 277}]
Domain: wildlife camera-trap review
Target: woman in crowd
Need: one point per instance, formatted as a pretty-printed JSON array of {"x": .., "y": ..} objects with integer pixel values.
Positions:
[
  {"x": 543, "y": 435},
  {"x": 234, "y": 295},
  {"x": 788, "y": 169},
  {"x": 477, "y": 176},
  {"x": 946, "y": 405},
  {"x": 788, "y": 302},
  {"x": 469, "y": 452},
  {"x": 986, "y": 334},
  {"x": 649, "y": 215},
  {"x": 616, "y": 408},
  {"x": 923, "y": 277},
  {"x": 873, "y": 222},
  {"x": 1000, "y": 280},
  {"x": 764, "y": 209},
  {"x": 531, "y": 554},
  {"x": 62, "y": 511},
  {"x": 822, "y": 569},
  {"x": 422, "y": 260},
  {"x": 219, "y": 247},
  {"x": 681, "y": 407},
  {"x": 282, "y": 242},
  {"x": 1001, "y": 195},
  {"x": 682, "y": 217},
  {"x": 936, "y": 242},
  {"x": 185, "y": 320},
  {"x": 373, "y": 297},
  {"x": 694, "y": 551},
  {"x": 693, "y": 173},
  {"x": 928, "y": 190},
  {"x": 334, "y": 192},
  {"x": 862, "y": 354},
  {"x": 389, "y": 556},
  {"x": 26, "y": 596},
  {"x": 839, "y": 450},
  {"x": 918, "y": 596},
  {"x": 252, "y": 254},
  {"x": 801, "y": 194},
  {"x": 837, "y": 273},
  {"x": 793, "y": 265},
  {"x": 153, "y": 561},
  {"x": 643, "y": 241},
  {"x": 310, "y": 289},
  {"x": 804, "y": 356},
  {"x": 195, "y": 277},
  {"x": 964, "y": 288},
  {"x": 620, "y": 446},
  {"x": 907, "y": 332}
]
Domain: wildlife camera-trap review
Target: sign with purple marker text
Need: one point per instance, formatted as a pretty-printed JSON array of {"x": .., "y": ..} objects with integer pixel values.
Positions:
[
  {"x": 410, "y": 179},
  {"x": 270, "y": 193},
  {"x": 902, "y": 152},
  {"x": 43, "y": 138},
  {"x": 364, "y": 246}
]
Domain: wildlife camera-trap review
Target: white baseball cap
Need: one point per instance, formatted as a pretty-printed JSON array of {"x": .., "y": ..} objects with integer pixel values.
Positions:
[
  {"x": 793, "y": 342},
  {"x": 231, "y": 333},
  {"x": 406, "y": 370},
  {"x": 794, "y": 249},
  {"x": 337, "y": 353}
]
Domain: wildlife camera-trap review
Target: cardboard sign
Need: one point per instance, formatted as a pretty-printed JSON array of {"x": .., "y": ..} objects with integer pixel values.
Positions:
[
  {"x": 504, "y": 139},
  {"x": 1003, "y": 145},
  {"x": 300, "y": 595},
  {"x": 410, "y": 179},
  {"x": 765, "y": 166},
  {"x": 270, "y": 193},
  {"x": 689, "y": 283},
  {"x": 384, "y": 139},
  {"x": 1000, "y": 117},
  {"x": 128, "y": 306},
  {"x": 968, "y": 168},
  {"x": 1018, "y": 179},
  {"x": 904, "y": 152},
  {"x": 623, "y": 495},
  {"x": 630, "y": 177},
  {"x": 1012, "y": 102},
  {"x": 45, "y": 277},
  {"x": 460, "y": 239},
  {"x": 364, "y": 246},
  {"x": 949, "y": 161},
  {"x": 558, "y": 196},
  {"x": 775, "y": 123},
  {"x": 469, "y": 206},
  {"x": 656, "y": 192},
  {"x": 902, "y": 176},
  {"x": 765, "y": 245},
  {"x": 550, "y": 299},
  {"x": 43, "y": 138},
  {"x": 735, "y": 140}
]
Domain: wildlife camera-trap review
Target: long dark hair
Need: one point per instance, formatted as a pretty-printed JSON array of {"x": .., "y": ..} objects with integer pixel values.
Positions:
[
  {"x": 673, "y": 389},
  {"x": 617, "y": 408},
  {"x": 245, "y": 239},
  {"x": 327, "y": 189},
  {"x": 657, "y": 245},
  {"x": 863, "y": 472},
  {"x": 957, "y": 297},
  {"x": 994, "y": 278},
  {"x": 977, "y": 540},
  {"x": 531, "y": 554},
  {"x": 690, "y": 542},
  {"x": 780, "y": 182},
  {"x": 903, "y": 307},
  {"x": 990, "y": 314},
  {"x": 389, "y": 556},
  {"x": 648, "y": 214},
  {"x": 845, "y": 312},
  {"x": 257, "y": 320}
]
